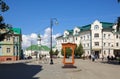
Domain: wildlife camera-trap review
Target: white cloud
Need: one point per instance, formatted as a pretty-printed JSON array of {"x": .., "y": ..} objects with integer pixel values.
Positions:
[{"x": 32, "y": 38}]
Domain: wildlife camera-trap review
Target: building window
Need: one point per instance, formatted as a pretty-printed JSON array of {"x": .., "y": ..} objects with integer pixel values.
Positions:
[
  {"x": 104, "y": 52},
  {"x": 96, "y": 35},
  {"x": 108, "y": 44},
  {"x": 9, "y": 59},
  {"x": 104, "y": 35},
  {"x": 8, "y": 38},
  {"x": 108, "y": 35},
  {"x": 104, "y": 44},
  {"x": 76, "y": 32},
  {"x": 81, "y": 37},
  {"x": 117, "y": 36},
  {"x": 16, "y": 39},
  {"x": 88, "y": 36},
  {"x": 76, "y": 38},
  {"x": 84, "y": 37},
  {"x": 8, "y": 50},
  {"x": 96, "y": 43},
  {"x": 117, "y": 44},
  {"x": 88, "y": 44},
  {"x": 88, "y": 52}
]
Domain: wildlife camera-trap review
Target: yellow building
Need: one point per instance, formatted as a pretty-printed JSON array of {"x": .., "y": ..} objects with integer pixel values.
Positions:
[{"x": 10, "y": 47}]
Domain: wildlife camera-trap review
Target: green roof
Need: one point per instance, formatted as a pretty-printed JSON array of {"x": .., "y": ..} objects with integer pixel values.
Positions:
[
  {"x": 16, "y": 30},
  {"x": 85, "y": 28},
  {"x": 36, "y": 47},
  {"x": 107, "y": 25},
  {"x": 70, "y": 31}
]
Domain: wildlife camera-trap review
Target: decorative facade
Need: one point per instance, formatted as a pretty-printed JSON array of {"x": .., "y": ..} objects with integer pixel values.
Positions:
[
  {"x": 99, "y": 38},
  {"x": 10, "y": 47}
]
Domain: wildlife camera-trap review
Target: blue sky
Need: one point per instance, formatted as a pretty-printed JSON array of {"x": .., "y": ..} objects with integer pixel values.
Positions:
[{"x": 33, "y": 16}]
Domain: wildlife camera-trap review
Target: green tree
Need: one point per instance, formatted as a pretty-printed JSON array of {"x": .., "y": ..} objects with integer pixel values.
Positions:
[
  {"x": 51, "y": 52},
  {"x": 68, "y": 52},
  {"x": 80, "y": 50},
  {"x": 76, "y": 52},
  {"x": 3, "y": 26},
  {"x": 56, "y": 52},
  {"x": 118, "y": 21},
  {"x": 118, "y": 24}
]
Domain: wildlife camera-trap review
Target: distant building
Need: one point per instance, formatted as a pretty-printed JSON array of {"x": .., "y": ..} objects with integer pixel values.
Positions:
[
  {"x": 99, "y": 38},
  {"x": 35, "y": 51},
  {"x": 10, "y": 47}
]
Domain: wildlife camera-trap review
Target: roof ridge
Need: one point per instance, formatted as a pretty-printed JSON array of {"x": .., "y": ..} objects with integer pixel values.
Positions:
[{"x": 107, "y": 22}]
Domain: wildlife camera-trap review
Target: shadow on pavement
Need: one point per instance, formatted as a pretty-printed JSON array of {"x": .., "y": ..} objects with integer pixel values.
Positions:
[
  {"x": 111, "y": 62},
  {"x": 19, "y": 71}
]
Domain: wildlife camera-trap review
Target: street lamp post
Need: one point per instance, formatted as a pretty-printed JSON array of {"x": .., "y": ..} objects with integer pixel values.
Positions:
[{"x": 51, "y": 24}]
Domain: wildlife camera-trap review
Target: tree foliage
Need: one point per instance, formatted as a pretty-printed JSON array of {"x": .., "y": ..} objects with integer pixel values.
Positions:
[
  {"x": 118, "y": 21},
  {"x": 51, "y": 52},
  {"x": 4, "y": 28},
  {"x": 79, "y": 50},
  {"x": 118, "y": 0},
  {"x": 118, "y": 24},
  {"x": 68, "y": 52},
  {"x": 56, "y": 52}
]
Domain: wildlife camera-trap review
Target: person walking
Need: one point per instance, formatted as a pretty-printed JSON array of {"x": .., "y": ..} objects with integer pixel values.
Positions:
[{"x": 93, "y": 57}]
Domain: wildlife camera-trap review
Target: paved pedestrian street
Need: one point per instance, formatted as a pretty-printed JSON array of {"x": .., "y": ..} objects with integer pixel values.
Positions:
[{"x": 86, "y": 69}]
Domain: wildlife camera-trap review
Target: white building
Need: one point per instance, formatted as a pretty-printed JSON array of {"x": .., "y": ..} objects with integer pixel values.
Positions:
[
  {"x": 35, "y": 50},
  {"x": 99, "y": 38}
]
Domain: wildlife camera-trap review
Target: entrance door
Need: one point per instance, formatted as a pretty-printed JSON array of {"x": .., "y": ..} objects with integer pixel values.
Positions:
[{"x": 97, "y": 54}]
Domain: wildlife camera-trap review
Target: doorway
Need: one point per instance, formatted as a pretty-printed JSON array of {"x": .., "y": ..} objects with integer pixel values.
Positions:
[{"x": 97, "y": 54}]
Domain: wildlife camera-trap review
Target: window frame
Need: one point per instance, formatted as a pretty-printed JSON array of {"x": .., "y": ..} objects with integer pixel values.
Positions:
[
  {"x": 96, "y": 35},
  {"x": 96, "y": 43},
  {"x": 8, "y": 50}
]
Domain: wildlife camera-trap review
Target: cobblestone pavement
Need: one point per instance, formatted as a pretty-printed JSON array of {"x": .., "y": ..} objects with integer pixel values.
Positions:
[{"x": 86, "y": 69}]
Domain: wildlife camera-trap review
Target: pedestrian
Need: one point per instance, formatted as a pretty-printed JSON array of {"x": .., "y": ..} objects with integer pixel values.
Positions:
[
  {"x": 108, "y": 58},
  {"x": 102, "y": 57},
  {"x": 89, "y": 56},
  {"x": 93, "y": 57}
]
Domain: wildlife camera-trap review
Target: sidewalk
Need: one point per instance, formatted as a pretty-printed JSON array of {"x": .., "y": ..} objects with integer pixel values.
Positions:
[
  {"x": 86, "y": 69},
  {"x": 18, "y": 61}
]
